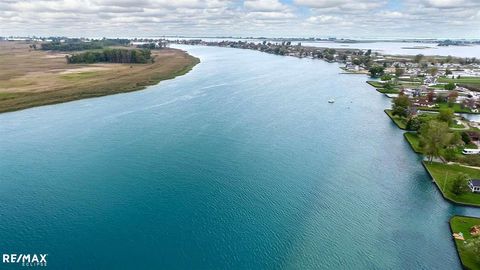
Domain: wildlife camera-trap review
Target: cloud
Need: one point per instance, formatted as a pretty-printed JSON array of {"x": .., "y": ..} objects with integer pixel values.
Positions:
[
  {"x": 339, "y": 4},
  {"x": 264, "y": 5},
  {"x": 319, "y": 18},
  {"x": 451, "y": 3}
]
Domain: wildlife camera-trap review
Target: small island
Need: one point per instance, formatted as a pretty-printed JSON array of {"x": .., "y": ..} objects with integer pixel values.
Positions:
[{"x": 35, "y": 74}]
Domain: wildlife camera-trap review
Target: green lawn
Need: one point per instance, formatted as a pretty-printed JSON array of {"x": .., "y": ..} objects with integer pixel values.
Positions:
[
  {"x": 388, "y": 91},
  {"x": 445, "y": 174},
  {"x": 408, "y": 84},
  {"x": 414, "y": 141},
  {"x": 395, "y": 89},
  {"x": 456, "y": 108},
  {"x": 463, "y": 224},
  {"x": 401, "y": 122},
  {"x": 375, "y": 84},
  {"x": 462, "y": 80}
]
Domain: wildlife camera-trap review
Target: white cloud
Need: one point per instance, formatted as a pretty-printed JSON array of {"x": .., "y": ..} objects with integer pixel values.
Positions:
[
  {"x": 264, "y": 5},
  {"x": 452, "y": 3},
  {"x": 340, "y": 4},
  {"x": 343, "y": 18}
]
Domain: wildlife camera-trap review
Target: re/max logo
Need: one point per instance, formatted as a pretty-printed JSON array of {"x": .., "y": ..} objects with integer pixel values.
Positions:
[{"x": 26, "y": 259}]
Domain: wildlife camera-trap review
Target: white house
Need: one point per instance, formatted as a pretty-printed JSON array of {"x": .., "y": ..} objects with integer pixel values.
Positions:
[{"x": 474, "y": 185}]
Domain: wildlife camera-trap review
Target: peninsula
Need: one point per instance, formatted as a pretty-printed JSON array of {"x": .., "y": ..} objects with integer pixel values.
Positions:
[{"x": 33, "y": 76}]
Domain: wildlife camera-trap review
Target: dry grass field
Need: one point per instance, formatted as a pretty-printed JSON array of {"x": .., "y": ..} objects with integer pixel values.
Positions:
[{"x": 31, "y": 78}]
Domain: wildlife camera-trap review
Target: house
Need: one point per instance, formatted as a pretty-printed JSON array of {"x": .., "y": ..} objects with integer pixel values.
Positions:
[
  {"x": 422, "y": 102},
  {"x": 474, "y": 185},
  {"x": 474, "y": 136},
  {"x": 475, "y": 230}
]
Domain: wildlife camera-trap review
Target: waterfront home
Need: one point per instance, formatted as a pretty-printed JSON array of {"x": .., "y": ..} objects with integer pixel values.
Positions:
[
  {"x": 474, "y": 185},
  {"x": 475, "y": 230},
  {"x": 430, "y": 80},
  {"x": 423, "y": 102}
]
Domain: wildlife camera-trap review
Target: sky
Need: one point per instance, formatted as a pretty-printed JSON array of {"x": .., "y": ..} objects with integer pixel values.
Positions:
[{"x": 245, "y": 18}]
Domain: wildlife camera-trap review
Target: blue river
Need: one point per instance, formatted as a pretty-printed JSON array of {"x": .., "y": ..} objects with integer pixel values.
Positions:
[{"x": 240, "y": 164}]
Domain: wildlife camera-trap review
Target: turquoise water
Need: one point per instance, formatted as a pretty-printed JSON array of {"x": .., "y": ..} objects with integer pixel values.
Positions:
[{"x": 240, "y": 164}]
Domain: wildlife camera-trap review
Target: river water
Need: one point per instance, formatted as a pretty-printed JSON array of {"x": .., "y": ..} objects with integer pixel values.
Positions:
[
  {"x": 383, "y": 47},
  {"x": 240, "y": 164}
]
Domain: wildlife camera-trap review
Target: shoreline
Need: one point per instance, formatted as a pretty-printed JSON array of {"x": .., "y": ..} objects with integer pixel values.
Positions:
[
  {"x": 75, "y": 82},
  {"x": 448, "y": 200},
  {"x": 184, "y": 70}
]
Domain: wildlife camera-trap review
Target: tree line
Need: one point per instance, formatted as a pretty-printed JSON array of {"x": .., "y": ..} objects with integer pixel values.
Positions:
[
  {"x": 111, "y": 56},
  {"x": 79, "y": 45}
]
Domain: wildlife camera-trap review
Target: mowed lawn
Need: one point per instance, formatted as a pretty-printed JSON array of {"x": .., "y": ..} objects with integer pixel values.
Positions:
[
  {"x": 463, "y": 224},
  {"x": 456, "y": 108},
  {"x": 401, "y": 122},
  {"x": 31, "y": 78},
  {"x": 414, "y": 141},
  {"x": 445, "y": 174},
  {"x": 461, "y": 80}
]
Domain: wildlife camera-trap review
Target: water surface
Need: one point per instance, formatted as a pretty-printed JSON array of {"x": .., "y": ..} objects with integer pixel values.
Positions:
[
  {"x": 240, "y": 164},
  {"x": 389, "y": 48}
]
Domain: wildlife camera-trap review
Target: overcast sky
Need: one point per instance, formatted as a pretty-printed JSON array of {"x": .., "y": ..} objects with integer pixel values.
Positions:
[{"x": 272, "y": 18}]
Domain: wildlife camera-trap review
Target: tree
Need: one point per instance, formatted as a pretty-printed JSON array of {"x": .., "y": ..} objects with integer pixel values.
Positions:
[
  {"x": 399, "y": 72},
  {"x": 434, "y": 137},
  {"x": 448, "y": 72},
  {"x": 388, "y": 86},
  {"x": 414, "y": 123},
  {"x": 450, "y": 154},
  {"x": 456, "y": 140},
  {"x": 450, "y": 86},
  {"x": 386, "y": 77},
  {"x": 418, "y": 58},
  {"x": 376, "y": 71},
  {"x": 111, "y": 56},
  {"x": 430, "y": 96},
  {"x": 452, "y": 97},
  {"x": 460, "y": 184},
  {"x": 433, "y": 71},
  {"x": 401, "y": 106},
  {"x": 446, "y": 115},
  {"x": 465, "y": 138}
]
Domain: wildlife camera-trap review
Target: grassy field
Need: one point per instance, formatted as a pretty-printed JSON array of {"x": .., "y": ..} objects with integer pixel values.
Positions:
[
  {"x": 463, "y": 224},
  {"x": 444, "y": 176},
  {"x": 399, "y": 121},
  {"x": 31, "y": 78},
  {"x": 461, "y": 80},
  {"x": 413, "y": 140},
  {"x": 472, "y": 83}
]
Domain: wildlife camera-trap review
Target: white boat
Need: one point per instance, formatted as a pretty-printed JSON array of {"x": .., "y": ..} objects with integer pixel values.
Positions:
[
  {"x": 331, "y": 101},
  {"x": 467, "y": 151}
]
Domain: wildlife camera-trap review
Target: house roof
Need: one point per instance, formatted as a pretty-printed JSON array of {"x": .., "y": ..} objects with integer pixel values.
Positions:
[{"x": 475, "y": 182}]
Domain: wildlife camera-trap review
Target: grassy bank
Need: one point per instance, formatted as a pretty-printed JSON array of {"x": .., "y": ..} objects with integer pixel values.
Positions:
[
  {"x": 399, "y": 121},
  {"x": 414, "y": 141},
  {"x": 444, "y": 176},
  {"x": 455, "y": 107},
  {"x": 463, "y": 224},
  {"x": 31, "y": 78}
]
